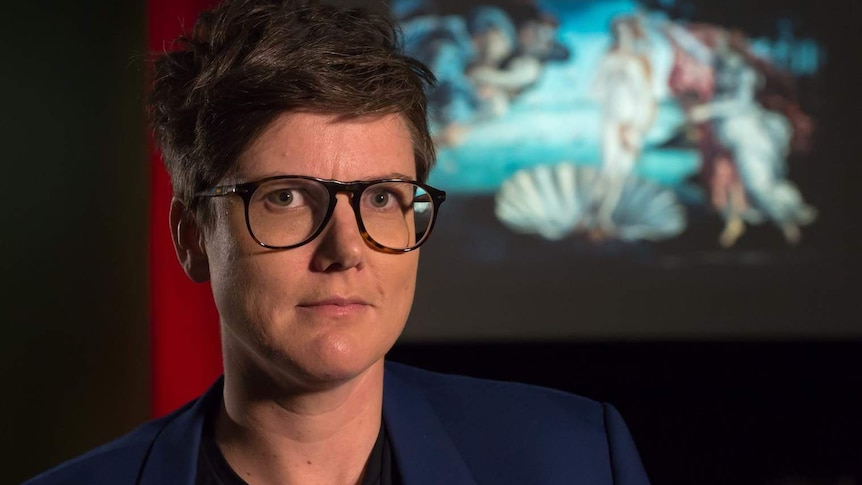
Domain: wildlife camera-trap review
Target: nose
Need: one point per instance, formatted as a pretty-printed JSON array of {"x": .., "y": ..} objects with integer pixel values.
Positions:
[{"x": 340, "y": 246}]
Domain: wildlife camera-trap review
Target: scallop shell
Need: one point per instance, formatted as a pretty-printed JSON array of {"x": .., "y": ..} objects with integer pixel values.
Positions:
[
  {"x": 646, "y": 210},
  {"x": 541, "y": 200},
  {"x": 556, "y": 201}
]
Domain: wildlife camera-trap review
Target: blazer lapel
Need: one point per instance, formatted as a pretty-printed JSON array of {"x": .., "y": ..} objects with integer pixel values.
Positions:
[
  {"x": 173, "y": 456},
  {"x": 425, "y": 453}
]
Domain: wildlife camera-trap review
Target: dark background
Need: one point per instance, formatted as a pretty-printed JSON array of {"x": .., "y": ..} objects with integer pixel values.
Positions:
[
  {"x": 707, "y": 413},
  {"x": 73, "y": 230},
  {"x": 748, "y": 374}
]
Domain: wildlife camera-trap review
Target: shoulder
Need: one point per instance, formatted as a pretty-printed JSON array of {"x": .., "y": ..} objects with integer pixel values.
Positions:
[
  {"x": 118, "y": 461},
  {"x": 448, "y": 388},
  {"x": 491, "y": 407},
  {"x": 500, "y": 426}
]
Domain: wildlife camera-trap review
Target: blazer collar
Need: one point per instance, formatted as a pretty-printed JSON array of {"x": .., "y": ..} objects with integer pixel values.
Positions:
[
  {"x": 173, "y": 455},
  {"x": 425, "y": 453}
]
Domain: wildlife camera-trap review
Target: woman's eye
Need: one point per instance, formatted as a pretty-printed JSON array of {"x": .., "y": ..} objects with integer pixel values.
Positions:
[
  {"x": 284, "y": 197},
  {"x": 380, "y": 199}
]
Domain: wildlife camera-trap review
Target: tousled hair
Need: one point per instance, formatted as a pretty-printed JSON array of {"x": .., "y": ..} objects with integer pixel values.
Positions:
[{"x": 247, "y": 61}]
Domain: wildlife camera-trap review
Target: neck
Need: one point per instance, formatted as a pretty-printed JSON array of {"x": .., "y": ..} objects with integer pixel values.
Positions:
[{"x": 277, "y": 432}]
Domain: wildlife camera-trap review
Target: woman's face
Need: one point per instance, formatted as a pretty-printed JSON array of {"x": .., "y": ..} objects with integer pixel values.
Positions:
[{"x": 326, "y": 311}]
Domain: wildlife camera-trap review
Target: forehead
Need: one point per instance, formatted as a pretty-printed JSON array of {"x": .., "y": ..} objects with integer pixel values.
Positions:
[{"x": 327, "y": 146}]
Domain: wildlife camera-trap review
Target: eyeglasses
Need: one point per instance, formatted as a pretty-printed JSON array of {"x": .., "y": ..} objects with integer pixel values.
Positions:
[{"x": 284, "y": 212}]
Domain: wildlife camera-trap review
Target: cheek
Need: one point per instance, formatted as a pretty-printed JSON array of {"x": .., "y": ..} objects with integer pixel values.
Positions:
[
  {"x": 247, "y": 280},
  {"x": 232, "y": 276},
  {"x": 263, "y": 278},
  {"x": 403, "y": 281}
]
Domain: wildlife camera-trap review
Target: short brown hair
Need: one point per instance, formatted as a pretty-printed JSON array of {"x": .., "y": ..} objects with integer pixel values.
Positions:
[{"x": 247, "y": 61}]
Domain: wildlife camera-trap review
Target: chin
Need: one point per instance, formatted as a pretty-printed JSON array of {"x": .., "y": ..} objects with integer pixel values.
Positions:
[{"x": 330, "y": 360}]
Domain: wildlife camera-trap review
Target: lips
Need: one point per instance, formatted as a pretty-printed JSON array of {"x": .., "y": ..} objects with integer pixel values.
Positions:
[
  {"x": 335, "y": 301},
  {"x": 335, "y": 306}
]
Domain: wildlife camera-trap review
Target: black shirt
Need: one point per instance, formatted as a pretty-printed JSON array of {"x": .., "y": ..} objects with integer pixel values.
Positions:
[{"x": 213, "y": 469}]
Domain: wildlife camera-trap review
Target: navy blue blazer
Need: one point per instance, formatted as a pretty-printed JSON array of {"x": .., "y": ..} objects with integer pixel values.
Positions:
[{"x": 444, "y": 430}]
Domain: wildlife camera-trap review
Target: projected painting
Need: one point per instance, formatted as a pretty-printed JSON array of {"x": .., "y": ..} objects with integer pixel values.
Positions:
[
  {"x": 617, "y": 122},
  {"x": 628, "y": 169}
]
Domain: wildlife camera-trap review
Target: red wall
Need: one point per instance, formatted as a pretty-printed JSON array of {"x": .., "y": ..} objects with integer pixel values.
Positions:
[{"x": 186, "y": 354}]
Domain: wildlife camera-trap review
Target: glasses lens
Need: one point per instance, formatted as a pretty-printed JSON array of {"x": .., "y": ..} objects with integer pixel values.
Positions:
[
  {"x": 285, "y": 212},
  {"x": 397, "y": 215}
]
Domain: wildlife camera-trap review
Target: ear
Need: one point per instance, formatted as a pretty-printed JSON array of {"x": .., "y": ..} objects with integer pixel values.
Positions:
[{"x": 188, "y": 242}]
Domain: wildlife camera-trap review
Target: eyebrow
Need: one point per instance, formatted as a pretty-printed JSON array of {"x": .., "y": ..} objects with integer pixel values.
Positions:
[
  {"x": 397, "y": 175},
  {"x": 391, "y": 175}
]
